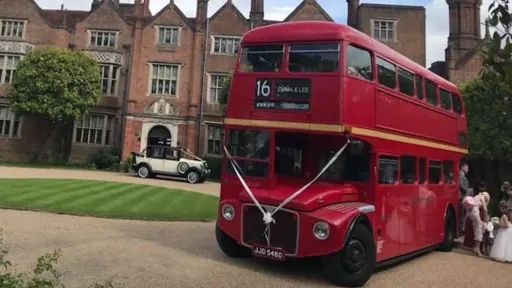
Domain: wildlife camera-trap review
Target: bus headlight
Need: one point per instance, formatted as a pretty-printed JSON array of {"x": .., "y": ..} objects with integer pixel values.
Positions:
[
  {"x": 228, "y": 212},
  {"x": 321, "y": 230}
]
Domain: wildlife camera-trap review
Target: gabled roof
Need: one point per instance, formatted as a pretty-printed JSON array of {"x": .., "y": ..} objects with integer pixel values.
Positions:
[
  {"x": 227, "y": 5},
  {"x": 178, "y": 11},
  {"x": 301, "y": 6},
  {"x": 42, "y": 14},
  {"x": 56, "y": 17}
]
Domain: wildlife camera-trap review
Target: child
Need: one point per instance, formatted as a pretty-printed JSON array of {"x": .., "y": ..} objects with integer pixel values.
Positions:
[
  {"x": 473, "y": 216},
  {"x": 502, "y": 248}
]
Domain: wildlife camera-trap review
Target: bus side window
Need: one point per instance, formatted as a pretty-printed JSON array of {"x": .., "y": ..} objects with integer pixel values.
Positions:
[
  {"x": 422, "y": 170},
  {"x": 419, "y": 87},
  {"x": 388, "y": 169},
  {"x": 407, "y": 169},
  {"x": 406, "y": 82},
  {"x": 358, "y": 63},
  {"x": 448, "y": 172},
  {"x": 434, "y": 172},
  {"x": 386, "y": 72},
  {"x": 446, "y": 99},
  {"x": 431, "y": 88},
  {"x": 457, "y": 104}
]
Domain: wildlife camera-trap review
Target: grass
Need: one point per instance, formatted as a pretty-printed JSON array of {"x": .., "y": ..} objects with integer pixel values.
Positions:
[
  {"x": 106, "y": 199},
  {"x": 46, "y": 166}
]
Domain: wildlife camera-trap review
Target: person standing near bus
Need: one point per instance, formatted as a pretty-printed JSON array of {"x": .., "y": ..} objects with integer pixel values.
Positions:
[{"x": 463, "y": 190}]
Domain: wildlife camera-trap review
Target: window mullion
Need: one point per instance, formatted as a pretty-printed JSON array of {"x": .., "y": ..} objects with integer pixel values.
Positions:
[
  {"x": 109, "y": 79},
  {"x": 104, "y": 132}
]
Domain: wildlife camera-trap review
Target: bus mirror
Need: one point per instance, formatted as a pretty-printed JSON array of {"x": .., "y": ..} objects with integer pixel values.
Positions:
[{"x": 356, "y": 147}]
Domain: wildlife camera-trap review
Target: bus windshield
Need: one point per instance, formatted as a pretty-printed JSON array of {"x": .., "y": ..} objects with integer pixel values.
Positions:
[{"x": 262, "y": 58}]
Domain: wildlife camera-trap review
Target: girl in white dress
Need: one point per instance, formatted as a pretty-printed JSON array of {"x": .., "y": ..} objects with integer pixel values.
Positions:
[{"x": 502, "y": 248}]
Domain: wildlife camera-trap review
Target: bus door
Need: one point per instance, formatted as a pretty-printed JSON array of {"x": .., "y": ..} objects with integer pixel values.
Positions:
[{"x": 388, "y": 202}]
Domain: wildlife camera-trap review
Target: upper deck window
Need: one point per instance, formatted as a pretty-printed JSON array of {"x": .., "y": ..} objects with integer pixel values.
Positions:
[
  {"x": 261, "y": 58},
  {"x": 446, "y": 101},
  {"x": 431, "y": 88},
  {"x": 359, "y": 63},
  {"x": 406, "y": 81},
  {"x": 386, "y": 73},
  {"x": 318, "y": 57},
  {"x": 419, "y": 87},
  {"x": 457, "y": 104}
]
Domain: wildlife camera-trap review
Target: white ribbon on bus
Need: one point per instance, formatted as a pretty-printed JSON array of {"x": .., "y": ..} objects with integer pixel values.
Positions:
[{"x": 267, "y": 216}]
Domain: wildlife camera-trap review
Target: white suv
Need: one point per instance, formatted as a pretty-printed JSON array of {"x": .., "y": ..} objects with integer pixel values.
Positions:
[{"x": 170, "y": 161}]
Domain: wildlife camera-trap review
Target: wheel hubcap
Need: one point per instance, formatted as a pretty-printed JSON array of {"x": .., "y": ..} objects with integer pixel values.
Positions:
[
  {"x": 143, "y": 172},
  {"x": 354, "y": 256},
  {"x": 192, "y": 177}
]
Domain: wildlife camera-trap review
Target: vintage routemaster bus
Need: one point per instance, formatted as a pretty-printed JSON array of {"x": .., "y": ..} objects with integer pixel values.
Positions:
[{"x": 337, "y": 146}]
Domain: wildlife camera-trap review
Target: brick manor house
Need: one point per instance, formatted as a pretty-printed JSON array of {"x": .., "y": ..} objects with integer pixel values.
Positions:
[{"x": 160, "y": 73}]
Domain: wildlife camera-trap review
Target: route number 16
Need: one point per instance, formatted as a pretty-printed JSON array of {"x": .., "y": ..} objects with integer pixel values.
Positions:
[{"x": 262, "y": 88}]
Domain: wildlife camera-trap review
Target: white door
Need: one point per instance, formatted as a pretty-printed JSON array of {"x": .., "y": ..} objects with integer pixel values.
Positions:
[
  {"x": 156, "y": 158},
  {"x": 171, "y": 161}
]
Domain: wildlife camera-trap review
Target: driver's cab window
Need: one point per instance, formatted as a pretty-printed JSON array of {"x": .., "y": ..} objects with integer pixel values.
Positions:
[{"x": 352, "y": 165}]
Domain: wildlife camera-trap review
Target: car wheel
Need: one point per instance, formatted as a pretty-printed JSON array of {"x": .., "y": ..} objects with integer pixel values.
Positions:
[
  {"x": 143, "y": 171},
  {"x": 449, "y": 233},
  {"x": 182, "y": 168},
  {"x": 354, "y": 264},
  {"x": 193, "y": 177},
  {"x": 229, "y": 246}
]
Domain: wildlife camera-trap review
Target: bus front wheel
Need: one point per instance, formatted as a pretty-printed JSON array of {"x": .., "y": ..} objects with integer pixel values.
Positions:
[
  {"x": 353, "y": 265},
  {"x": 229, "y": 246}
]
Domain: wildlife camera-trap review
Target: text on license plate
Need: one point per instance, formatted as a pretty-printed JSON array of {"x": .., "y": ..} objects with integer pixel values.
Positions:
[{"x": 268, "y": 252}]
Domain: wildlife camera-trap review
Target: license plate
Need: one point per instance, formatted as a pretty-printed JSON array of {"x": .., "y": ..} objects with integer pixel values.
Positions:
[{"x": 268, "y": 252}]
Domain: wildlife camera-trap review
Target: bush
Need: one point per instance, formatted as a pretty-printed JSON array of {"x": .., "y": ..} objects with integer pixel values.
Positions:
[
  {"x": 45, "y": 274},
  {"x": 106, "y": 159}
]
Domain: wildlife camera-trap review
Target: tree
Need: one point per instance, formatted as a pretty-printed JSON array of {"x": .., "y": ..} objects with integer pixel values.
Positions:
[
  {"x": 497, "y": 52},
  {"x": 59, "y": 85}
]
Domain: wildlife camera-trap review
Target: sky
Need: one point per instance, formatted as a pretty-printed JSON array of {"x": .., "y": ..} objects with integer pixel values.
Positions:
[{"x": 437, "y": 14}]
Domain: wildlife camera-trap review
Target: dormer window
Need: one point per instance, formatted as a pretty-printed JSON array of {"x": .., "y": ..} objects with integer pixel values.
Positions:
[
  {"x": 168, "y": 35},
  {"x": 107, "y": 39},
  {"x": 12, "y": 28}
]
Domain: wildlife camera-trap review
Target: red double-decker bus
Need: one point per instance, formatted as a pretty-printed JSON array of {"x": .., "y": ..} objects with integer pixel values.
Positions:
[{"x": 337, "y": 146}]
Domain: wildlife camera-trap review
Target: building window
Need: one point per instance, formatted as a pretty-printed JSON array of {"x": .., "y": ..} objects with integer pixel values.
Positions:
[
  {"x": 103, "y": 39},
  {"x": 216, "y": 84},
  {"x": 9, "y": 122},
  {"x": 12, "y": 28},
  {"x": 384, "y": 30},
  {"x": 164, "y": 79},
  {"x": 109, "y": 79},
  {"x": 8, "y": 65},
  {"x": 168, "y": 35},
  {"x": 226, "y": 45},
  {"x": 215, "y": 140},
  {"x": 94, "y": 129}
]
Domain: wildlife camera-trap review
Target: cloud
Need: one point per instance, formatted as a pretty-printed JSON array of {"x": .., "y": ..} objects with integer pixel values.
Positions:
[{"x": 436, "y": 10}]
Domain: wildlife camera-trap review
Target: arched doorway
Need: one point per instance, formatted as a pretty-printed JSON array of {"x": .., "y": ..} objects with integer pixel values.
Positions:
[{"x": 159, "y": 136}]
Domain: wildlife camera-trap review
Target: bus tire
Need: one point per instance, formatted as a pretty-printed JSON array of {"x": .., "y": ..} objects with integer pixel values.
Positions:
[
  {"x": 354, "y": 264},
  {"x": 229, "y": 246},
  {"x": 449, "y": 233}
]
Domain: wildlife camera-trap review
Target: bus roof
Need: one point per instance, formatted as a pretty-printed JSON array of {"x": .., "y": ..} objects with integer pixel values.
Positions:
[{"x": 307, "y": 31}]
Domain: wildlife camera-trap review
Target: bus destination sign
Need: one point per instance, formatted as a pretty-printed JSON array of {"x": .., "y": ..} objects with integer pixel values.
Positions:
[
  {"x": 292, "y": 88},
  {"x": 289, "y": 94}
]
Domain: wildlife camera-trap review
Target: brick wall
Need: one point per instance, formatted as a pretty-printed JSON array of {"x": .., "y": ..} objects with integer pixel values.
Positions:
[{"x": 468, "y": 71}]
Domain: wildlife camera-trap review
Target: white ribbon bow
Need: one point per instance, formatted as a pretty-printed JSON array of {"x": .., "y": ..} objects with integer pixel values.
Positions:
[{"x": 267, "y": 216}]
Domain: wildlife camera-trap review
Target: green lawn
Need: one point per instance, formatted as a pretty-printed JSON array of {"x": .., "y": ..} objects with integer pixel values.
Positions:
[{"x": 106, "y": 199}]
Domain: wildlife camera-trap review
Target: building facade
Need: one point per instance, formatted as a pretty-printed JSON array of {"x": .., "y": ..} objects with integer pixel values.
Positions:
[{"x": 161, "y": 74}]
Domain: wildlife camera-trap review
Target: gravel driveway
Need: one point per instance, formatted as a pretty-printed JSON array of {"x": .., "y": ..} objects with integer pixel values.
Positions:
[{"x": 181, "y": 254}]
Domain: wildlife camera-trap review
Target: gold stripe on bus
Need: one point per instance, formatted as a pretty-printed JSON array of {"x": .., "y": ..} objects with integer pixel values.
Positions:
[{"x": 341, "y": 128}]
